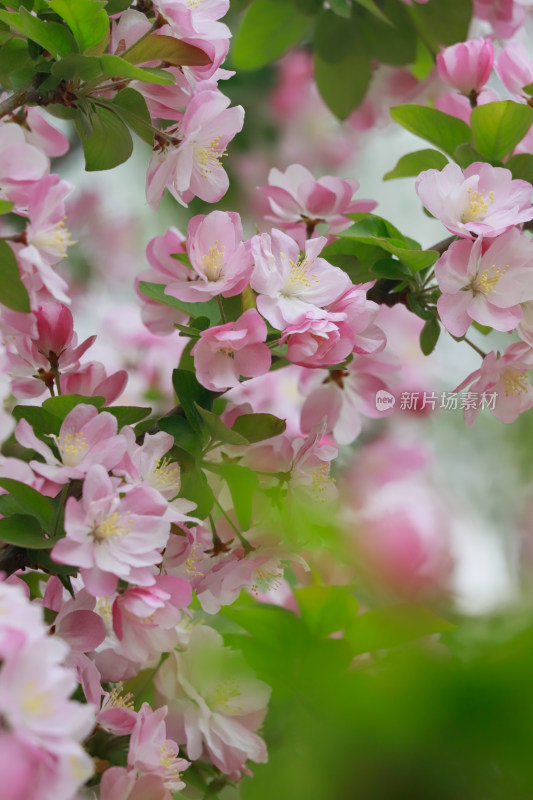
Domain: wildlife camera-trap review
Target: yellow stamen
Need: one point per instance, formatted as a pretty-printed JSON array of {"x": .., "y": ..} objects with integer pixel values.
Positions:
[
  {"x": 209, "y": 157},
  {"x": 487, "y": 280},
  {"x": 118, "y": 700},
  {"x": 222, "y": 694},
  {"x": 477, "y": 205},
  {"x": 55, "y": 239},
  {"x": 71, "y": 447},
  {"x": 514, "y": 382},
  {"x": 36, "y": 702},
  {"x": 321, "y": 480},
  {"x": 265, "y": 580},
  {"x": 111, "y": 526},
  {"x": 299, "y": 276},
  {"x": 190, "y": 563},
  {"x": 213, "y": 262},
  {"x": 166, "y": 476}
]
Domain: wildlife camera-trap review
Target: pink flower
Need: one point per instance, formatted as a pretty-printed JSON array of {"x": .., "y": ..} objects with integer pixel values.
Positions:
[
  {"x": 110, "y": 536},
  {"x": 289, "y": 285},
  {"x": 221, "y": 262},
  {"x": 215, "y": 702},
  {"x": 151, "y": 753},
  {"x": 458, "y": 105},
  {"x": 46, "y": 234},
  {"x": 92, "y": 380},
  {"x": 483, "y": 200},
  {"x": 360, "y": 314},
  {"x": 85, "y": 438},
  {"x": 145, "y": 618},
  {"x": 467, "y": 65},
  {"x": 514, "y": 67},
  {"x": 319, "y": 339},
  {"x": 485, "y": 282},
  {"x": 505, "y": 16},
  {"x": 121, "y": 784},
  {"x": 21, "y": 164},
  {"x": 191, "y": 167},
  {"x": 76, "y": 622},
  {"x": 39, "y": 133},
  {"x": 224, "y": 353},
  {"x": 160, "y": 319},
  {"x": 506, "y": 377},
  {"x": 297, "y": 200}
]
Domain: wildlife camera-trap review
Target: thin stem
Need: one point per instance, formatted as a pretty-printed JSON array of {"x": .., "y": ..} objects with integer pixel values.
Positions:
[
  {"x": 18, "y": 99},
  {"x": 245, "y": 543},
  {"x": 475, "y": 347},
  {"x": 221, "y": 307}
]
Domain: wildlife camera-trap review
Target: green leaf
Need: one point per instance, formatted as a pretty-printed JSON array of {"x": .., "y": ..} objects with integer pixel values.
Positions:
[
  {"x": 521, "y": 166},
  {"x": 6, "y": 207},
  {"x": 218, "y": 430},
  {"x": 194, "y": 487},
  {"x": 29, "y": 501},
  {"x": 390, "y": 626},
  {"x": 52, "y": 36},
  {"x": 257, "y": 427},
  {"x": 242, "y": 483},
  {"x": 184, "y": 436},
  {"x": 438, "y": 128},
  {"x": 442, "y": 23},
  {"x": 371, "y": 6},
  {"x": 132, "y": 109},
  {"x": 168, "y": 49},
  {"x": 392, "y": 269},
  {"x": 63, "y": 404},
  {"x": 116, "y": 6},
  {"x": 339, "y": 50},
  {"x": 42, "y": 422},
  {"x": 14, "y": 60},
  {"x": 484, "y": 329},
  {"x": 13, "y": 293},
  {"x": 156, "y": 291},
  {"x": 390, "y": 41},
  {"x": 391, "y": 241},
  {"x": 117, "y": 67},
  {"x": 109, "y": 143},
  {"x": 498, "y": 127},
  {"x": 466, "y": 154},
  {"x": 24, "y": 531},
  {"x": 267, "y": 30},
  {"x": 77, "y": 66},
  {"x": 128, "y": 415},
  {"x": 88, "y": 22},
  {"x": 326, "y": 609},
  {"x": 190, "y": 393},
  {"x": 341, "y": 7},
  {"x": 413, "y": 163},
  {"x": 429, "y": 336}
]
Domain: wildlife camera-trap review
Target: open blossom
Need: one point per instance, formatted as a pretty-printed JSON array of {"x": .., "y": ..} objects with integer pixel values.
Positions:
[
  {"x": 290, "y": 285},
  {"x": 514, "y": 67},
  {"x": 85, "y": 438},
  {"x": 166, "y": 269},
  {"x": 110, "y": 536},
  {"x": 458, "y": 105},
  {"x": 484, "y": 200},
  {"x": 192, "y": 167},
  {"x": 215, "y": 702},
  {"x": 506, "y": 376},
  {"x": 221, "y": 262},
  {"x": 467, "y": 65},
  {"x": 223, "y": 353},
  {"x": 297, "y": 199},
  {"x": 91, "y": 380},
  {"x": 319, "y": 339},
  {"x": 21, "y": 164},
  {"x": 485, "y": 283},
  {"x": 151, "y": 753}
]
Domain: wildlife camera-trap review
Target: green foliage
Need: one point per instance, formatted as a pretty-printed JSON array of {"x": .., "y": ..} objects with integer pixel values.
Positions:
[
  {"x": 156, "y": 291},
  {"x": 392, "y": 40},
  {"x": 131, "y": 107},
  {"x": 25, "y": 531},
  {"x": 117, "y": 67},
  {"x": 191, "y": 394},
  {"x": 342, "y": 66},
  {"x": 436, "y": 127},
  {"x": 6, "y": 206},
  {"x": 267, "y": 30},
  {"x": 26, "y": 500},
  {"x": 521, "y": 166},
  {"x": 218, "y": 430},
  {"x": 107, "y": 143},
  {"x": 257, "y": 427},
  {"x": 390, "y": 626},
  {"x": 498, "y": 127},
  {"x": 88, "y": 22},
  {"x": 429, "y": 336},
  {"x": 128, "y": 415},
  {"x": 441, "y": 23},
  {"x": 47, "y": 419},
  {"x": 242, "y": 483},
  {"x": 52, "y": 36},
  {"x": 168, "y": 49},
  {"x": 13, "y": 293},
  {"x": 326, "y": 609},
  {"x": 413, "y": 163}
]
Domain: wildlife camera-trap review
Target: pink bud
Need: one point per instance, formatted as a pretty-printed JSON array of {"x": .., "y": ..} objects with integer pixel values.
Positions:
[
  {"x": 467, "y": 65},
  {"x": 55, "y": 328}
]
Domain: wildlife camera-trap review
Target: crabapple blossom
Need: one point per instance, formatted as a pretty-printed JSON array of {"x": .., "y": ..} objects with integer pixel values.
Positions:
[
  {"x": 92, "y": 380},
  {"x": 85, "y": 438},
  {"x": 506, "y": 376},
  {"x": 151, "y": 753},
  {"x": 190, "y": 166},
  {"x": 119, "y": 783},
  {"x": 39, "y": 133},
  {"x": 505, "y": 16},
  {"x": 289, "y": 285},
  {"x": 467, "y": 65},
  {"x": 215, "y": 702},
  {"x": 514, "y": 67},
  {"x": 458, "y": 105},
  {"x": 223, "y": 353},
  {"x": 221, "y": 262},
  {"x": 165, "y": 269},
  {"x": 298, "y": 200},
  {"x": 482, "y": 201},
  {"x": 360, "y": 315},
  {"x": 485, "y": 281},
  {"x": 21, "y": 164},
  {"x": 110, "y": 536},
  {"x": 319, "y": 338}
]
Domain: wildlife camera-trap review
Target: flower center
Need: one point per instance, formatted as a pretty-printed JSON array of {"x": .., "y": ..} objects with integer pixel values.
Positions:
[
  {"x": 222, "y": 694},
  {"x": 36, "y": 702},
  {"x": 266, "y": 579},
  {"x": 213, "y": 262},
  {"x": 72, "y": 447},
  {"x": 118, "y": 700},
  {"x": 191, "y": 562},
  {"x": 299, "y": 276},
  {"x": 477, "y": 205},
  {"x": 320, "y": 481},
  {"x": 209, "y": 157},
  {"x": 487, "y": 280},
  {"x": 166, "y": 476},
  {"x": 514, "y": 382},
  {"x": 53, "y": 240},
  {"x": 111, "y": 526}
]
